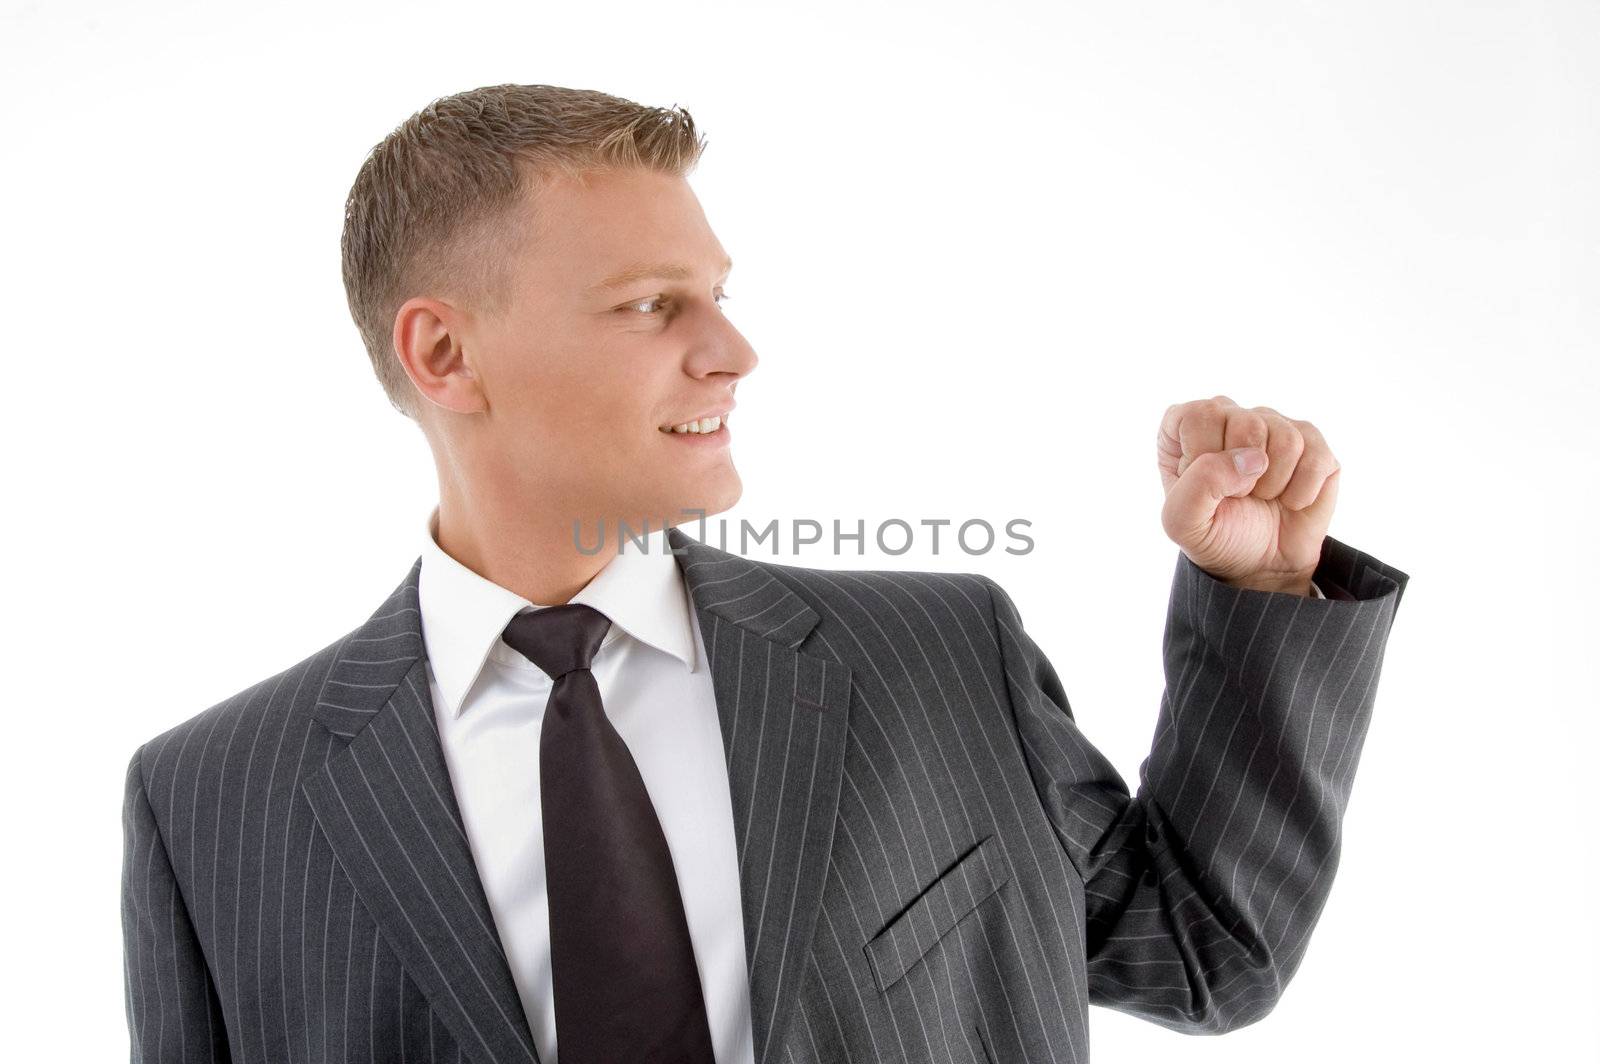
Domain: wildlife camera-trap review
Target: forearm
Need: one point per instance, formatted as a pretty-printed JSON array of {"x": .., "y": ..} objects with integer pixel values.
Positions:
[
  {"x": 1267, "y": 705},
  {"x": 1201, "y": 890}
]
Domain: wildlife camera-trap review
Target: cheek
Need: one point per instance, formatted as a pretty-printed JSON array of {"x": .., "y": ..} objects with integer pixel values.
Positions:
[
  {"x": 570, "y": 392},
  {"x": 632, "y": 392},
  {"x": 604, "y": 398}
]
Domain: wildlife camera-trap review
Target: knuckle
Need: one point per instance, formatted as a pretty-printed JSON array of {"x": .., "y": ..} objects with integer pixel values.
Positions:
[{"x": 1320, "y": 462}]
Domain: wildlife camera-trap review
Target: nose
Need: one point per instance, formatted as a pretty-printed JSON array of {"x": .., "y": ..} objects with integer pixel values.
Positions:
[{"x": 722, "y": 349}]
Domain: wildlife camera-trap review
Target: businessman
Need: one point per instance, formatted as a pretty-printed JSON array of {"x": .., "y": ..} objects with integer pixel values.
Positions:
[{"x": 660, "y": 802}]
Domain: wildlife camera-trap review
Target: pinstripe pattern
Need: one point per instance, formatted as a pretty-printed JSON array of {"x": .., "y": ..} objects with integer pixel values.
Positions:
[{"x": 935, "y": 863}]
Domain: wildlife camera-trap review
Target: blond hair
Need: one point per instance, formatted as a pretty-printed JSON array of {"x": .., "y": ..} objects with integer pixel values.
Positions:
[{"x": 439, "y": 205}]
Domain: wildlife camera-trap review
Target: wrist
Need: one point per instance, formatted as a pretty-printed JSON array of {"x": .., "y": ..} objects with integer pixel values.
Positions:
[{"x": 1292, "y": 585}]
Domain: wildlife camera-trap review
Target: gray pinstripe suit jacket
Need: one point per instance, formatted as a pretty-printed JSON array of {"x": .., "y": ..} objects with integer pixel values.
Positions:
[{"x": 936, "y": 864}]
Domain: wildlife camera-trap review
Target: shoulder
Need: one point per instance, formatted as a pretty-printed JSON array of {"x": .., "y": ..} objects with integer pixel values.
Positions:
[
  {"x": 919, "y": 599},
  {"x": 184, "y": 749}
]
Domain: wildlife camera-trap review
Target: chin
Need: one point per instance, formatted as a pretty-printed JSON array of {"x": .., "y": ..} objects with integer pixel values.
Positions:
[{"x": 707, "y": 498}]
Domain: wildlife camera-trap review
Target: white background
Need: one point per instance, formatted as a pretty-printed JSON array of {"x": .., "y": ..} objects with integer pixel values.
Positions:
[{"x": 980, "y": 248}]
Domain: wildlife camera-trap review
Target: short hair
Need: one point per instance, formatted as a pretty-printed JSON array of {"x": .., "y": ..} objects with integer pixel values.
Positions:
[{"x": 435, "y": 205}]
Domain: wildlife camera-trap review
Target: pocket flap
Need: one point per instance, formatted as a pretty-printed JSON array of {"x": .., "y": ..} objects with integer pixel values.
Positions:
[{"x": 936, "y": 911}]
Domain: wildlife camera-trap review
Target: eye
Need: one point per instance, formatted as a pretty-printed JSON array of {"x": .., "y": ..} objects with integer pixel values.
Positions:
[
  {"x": 645, "y": 303},
  {"x": 721, "y": 297}
]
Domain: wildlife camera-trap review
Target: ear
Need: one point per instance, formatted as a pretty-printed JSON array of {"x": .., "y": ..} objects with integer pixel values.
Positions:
[{"x": 428, "y": 342}]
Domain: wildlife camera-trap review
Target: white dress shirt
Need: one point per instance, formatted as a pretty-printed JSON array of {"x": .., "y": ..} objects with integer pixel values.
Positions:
[{"x": 654, "y": 681}]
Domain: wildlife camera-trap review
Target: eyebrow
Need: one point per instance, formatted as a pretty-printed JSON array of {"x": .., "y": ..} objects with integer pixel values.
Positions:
[{"x": 640, "y": 271}]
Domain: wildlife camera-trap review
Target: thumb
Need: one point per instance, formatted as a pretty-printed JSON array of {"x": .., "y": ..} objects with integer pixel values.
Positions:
[{"x": 1192, "y": 502}]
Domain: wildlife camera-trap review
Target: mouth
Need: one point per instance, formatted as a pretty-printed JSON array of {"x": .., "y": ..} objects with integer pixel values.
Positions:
[{"x": 713, "y": 424}]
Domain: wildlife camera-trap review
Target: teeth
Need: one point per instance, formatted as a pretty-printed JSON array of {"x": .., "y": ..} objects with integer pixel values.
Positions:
[{"x": 704, "y": 425}]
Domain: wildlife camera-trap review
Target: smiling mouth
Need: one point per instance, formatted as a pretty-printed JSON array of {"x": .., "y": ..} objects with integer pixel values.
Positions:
[{"x": 704, "y": 426}]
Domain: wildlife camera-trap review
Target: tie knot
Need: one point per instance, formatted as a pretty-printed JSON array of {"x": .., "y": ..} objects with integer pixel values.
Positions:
[{"x": 558, "y": 639}]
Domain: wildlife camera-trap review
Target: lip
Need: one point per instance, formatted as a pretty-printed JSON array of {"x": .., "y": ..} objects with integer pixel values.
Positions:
[
  {"x": 720, "y": 413},
  {"x": 718, "y": 438}
]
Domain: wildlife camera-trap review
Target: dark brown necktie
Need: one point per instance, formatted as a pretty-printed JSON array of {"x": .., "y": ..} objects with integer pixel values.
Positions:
[{"x": 626, "y": 986}]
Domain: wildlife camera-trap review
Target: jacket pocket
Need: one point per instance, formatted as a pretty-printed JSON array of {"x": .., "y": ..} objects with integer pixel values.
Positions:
[{"x": 936, "y": 911}]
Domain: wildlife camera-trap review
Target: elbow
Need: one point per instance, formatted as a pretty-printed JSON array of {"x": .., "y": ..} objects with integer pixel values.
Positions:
[{"x": 1240, "y": 998}]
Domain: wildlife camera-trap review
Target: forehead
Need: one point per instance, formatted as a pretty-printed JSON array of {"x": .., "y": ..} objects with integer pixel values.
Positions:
[{"x": 586, "y": 226}]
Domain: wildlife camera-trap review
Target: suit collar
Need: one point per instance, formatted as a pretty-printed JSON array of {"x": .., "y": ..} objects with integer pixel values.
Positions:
[
  {"x": 742, "y": 592},
  {"x": 388, "y": 809}
]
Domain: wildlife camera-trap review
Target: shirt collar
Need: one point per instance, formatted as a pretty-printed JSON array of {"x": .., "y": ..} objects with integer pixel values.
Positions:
[{"x": 463, "y": 614}]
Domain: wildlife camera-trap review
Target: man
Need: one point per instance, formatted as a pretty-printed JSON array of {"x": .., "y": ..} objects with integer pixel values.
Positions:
[{"x": 673, "y": 804}]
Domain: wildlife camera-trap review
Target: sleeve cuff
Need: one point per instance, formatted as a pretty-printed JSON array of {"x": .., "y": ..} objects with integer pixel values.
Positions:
[{"x": 1346, "y": 574}]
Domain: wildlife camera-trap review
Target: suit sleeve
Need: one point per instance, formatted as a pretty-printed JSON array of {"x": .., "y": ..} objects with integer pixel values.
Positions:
[
  {"x": 1201, "y": 890},
  {"x": 172, "y": 1009}
]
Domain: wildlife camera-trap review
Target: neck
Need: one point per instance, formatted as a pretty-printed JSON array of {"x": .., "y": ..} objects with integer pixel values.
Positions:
[{"x": 526, "y": 549}]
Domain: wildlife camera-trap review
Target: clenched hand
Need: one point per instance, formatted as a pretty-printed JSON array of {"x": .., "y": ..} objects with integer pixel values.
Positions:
[{"x": 1249, "y": 492}]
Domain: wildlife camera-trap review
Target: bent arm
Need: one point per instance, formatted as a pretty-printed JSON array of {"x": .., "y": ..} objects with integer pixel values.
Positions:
[{"x": 1202, "y": 889}]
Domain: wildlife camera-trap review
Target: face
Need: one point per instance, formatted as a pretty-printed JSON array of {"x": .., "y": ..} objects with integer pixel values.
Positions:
[{"x": 614, "y": 333}]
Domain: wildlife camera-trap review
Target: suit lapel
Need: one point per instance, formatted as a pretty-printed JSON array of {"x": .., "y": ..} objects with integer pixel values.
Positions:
[
  {"x": 388, "y": 809},
  {"x": 783, "y": 717}
]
